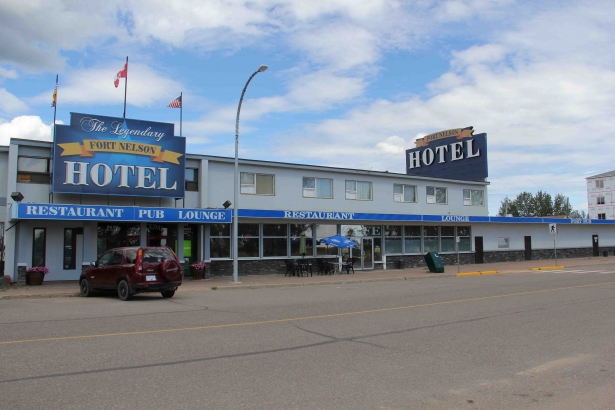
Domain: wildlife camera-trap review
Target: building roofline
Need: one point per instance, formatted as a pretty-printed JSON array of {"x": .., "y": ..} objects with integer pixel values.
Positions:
[{"x": 604, "y": 174}]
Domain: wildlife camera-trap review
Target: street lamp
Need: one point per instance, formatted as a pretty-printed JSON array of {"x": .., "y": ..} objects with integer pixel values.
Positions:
[{"x": 236, "y": 183}]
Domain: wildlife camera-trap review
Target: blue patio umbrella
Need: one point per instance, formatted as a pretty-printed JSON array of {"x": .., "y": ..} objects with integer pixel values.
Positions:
[{"x": 340, "y": 242}]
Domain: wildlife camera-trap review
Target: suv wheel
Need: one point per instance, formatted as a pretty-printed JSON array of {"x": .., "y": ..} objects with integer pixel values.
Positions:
[
  {"x": 123, "y": 290},
  {"x": 85, "y": 289},
  {"x": 167, "y": 294}
]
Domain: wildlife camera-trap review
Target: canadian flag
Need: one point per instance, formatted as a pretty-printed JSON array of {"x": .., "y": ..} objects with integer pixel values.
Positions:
[{"x": 123, "y": 73}]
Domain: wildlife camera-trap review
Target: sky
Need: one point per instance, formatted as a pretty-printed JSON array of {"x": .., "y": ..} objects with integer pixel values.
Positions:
[{"x": 351, "y": 83}]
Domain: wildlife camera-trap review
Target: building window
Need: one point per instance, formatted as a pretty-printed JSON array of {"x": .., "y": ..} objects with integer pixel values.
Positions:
[
  {"x": 404, "y": 193},
  {"x": 412, "y": 239},
  {"x": 220, "y": 240},
  {"x": 322, "y": 231},
  {"x": 70, "y": 248},
  {"x": 33, "y": 170},
  {"x": 473, "y": 197},
  {"x": 38, "y": 247},
  {"x": 503, "y": 243},
  {"x": 602, "y": 216},
  {"x": 392, "y": 239},
  {"x": 359, "y": 190},
  {"x": 430, "y": 239},
  {"x": 447, "y": 239},
  {"x": 257, "y": 184},
  {"x": 465, "y": 244},
  {"x": 317, "y": 188},
  {"x": 599, "y": 183},
  {"x": 295, "y": 239},
  {"x": 275, "y": 240},
  {"x": 436, "y": 195},
  {"x": 192, "y": 179},
  {"x": 600, "y": 200},
  {"x": 248, "y": 241}
]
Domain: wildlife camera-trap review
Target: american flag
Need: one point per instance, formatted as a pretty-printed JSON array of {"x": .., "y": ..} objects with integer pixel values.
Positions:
[{"x": 176, "y": 103}]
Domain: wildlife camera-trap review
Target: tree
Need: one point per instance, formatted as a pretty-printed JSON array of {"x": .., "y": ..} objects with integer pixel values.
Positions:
[
  {"x": 541, "y": 204},
  {"x": 577, "y": 215}
]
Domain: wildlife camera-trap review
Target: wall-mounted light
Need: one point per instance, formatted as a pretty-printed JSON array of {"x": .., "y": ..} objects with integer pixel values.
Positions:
[
  {"x": 17, "y": 196},
  {"x": 226, "y": 204}
]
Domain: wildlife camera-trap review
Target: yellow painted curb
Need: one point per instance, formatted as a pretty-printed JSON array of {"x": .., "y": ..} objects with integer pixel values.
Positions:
[
  {"x": 548, "y": 268},
  {"x": 487, "y": 272}
]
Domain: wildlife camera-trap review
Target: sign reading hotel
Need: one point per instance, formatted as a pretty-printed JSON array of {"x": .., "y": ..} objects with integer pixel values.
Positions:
[
  {"x": 452, "y": 154},
  {"x": 116, "y": 156}
]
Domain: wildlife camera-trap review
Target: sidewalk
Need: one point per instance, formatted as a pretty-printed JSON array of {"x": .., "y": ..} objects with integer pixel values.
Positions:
[{"x": 71, "y": 288}]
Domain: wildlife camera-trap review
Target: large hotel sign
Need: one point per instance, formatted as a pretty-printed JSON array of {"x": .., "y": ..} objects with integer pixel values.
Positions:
[
  {"x": 117, "y": 156},
  {"x": 452, "y": 154}
]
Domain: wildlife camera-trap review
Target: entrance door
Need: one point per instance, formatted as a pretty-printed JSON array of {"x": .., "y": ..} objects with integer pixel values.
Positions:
[
  {"x": 596, "y": 249},
  {"x": 478, "y": 249},
  {"x": 367, "y": 260},
  {"x": 528, "y": 248}
]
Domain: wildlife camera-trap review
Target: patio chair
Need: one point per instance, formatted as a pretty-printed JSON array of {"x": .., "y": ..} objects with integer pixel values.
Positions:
[
  {"x": 323, "y": 266},
  {"x": 291, "y": 268},
  {"x": 348, "y": 265},
  {"x": 304, "y": 267}
]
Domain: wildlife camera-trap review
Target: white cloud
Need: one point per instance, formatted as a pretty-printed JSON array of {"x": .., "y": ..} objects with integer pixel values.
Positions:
[
  {"x": 9, "y": 104},
  {"x": 29, "y": 127}
]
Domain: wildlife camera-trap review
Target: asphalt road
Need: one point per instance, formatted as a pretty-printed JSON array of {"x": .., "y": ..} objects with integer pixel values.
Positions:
[{"x": 540, "y": 340}]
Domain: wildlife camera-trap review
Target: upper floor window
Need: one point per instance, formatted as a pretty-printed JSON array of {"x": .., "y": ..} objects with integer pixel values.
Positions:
[
  {"x": 317, "y": 187},
  {"x": 192, "y": 179},
  {"x": 600, "y": 200},
  {"x": 33, "y": 170},
  {"x": 473, "y": 197},
  {"x": 602, "y": 216},
  {"x": 599, "y": 183},
  {"x": 359, "y": 190},
  {"x": 404, "y": 193},
  {"x": 257, "y": 184},
  {"x": 436, "y": 195}
]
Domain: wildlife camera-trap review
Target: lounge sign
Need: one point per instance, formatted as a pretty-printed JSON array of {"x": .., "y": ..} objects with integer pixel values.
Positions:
[
  {"x": 116, "y": 156},
  {"x": 452, "y": 154}
]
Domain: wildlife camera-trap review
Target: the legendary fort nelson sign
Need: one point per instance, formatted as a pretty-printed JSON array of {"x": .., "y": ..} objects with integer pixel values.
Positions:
[
  {"x": 116, "y": 156},
  {"x": 452, "y": 154}
]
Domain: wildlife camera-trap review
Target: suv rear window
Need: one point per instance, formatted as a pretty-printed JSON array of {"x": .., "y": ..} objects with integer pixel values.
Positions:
[
  {"x": 157, "y": 255},
  {"x": 131, "y": 255}
]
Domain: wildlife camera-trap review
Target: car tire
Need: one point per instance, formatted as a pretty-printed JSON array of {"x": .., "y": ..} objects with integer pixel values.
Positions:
[
  {"x": 167, "y": 294},
  {"x": 123, "y": 290},
  {"x": 85, "y": 290}
]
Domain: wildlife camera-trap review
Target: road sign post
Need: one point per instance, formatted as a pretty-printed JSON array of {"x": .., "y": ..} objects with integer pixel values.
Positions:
[
  {"x": 457, "y": 246},
  {"x": 553, "y": 231}
]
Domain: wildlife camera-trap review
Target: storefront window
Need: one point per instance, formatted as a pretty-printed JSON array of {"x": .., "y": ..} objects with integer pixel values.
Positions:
[
  {"x": 323, "y": 231},
  {"x": 220, "y": 240},
  {"x": 392, "y": 239},
  {"x": 69, "y": 248},
  {"x": 465, "y": 243},
  {"x": 430, "y": 239},
  {"x": 447, "y": 239},
  {"x": 412, "y": 239},
  {"x": 191, "y": 243},
  {"x": 248, "y": 241},
  {"x": 295, "y": 239},
  {"x": 117, "y": 235},
  {"x": 275, "y": 240},
  {"x": 38, "y": 247}
]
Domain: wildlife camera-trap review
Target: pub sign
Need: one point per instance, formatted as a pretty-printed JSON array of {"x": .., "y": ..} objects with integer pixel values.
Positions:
[{"x": 103, "y": 155}]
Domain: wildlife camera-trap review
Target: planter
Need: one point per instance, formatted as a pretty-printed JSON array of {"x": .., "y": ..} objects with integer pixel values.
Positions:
[
  {"x": 34, "y": 278},
  {"x": 197, "y": 274}
]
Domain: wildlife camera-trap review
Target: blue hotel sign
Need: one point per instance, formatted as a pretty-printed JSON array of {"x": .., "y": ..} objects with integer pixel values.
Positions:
[
  {"x": 451, "y": 154},
  {"x": 116, "y": 156}
]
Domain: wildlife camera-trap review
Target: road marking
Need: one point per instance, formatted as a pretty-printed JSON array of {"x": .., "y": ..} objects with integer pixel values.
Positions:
[
  {"x": 584, "y": 271},
  {"x": 296, "y": 319}
]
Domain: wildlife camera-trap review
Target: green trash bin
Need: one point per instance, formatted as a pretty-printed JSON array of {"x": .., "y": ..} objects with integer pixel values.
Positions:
[{"x": 434, "y": 262}]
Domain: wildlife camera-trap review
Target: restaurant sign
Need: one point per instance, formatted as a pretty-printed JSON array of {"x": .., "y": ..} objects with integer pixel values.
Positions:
[
  {"x": 452, "y": 154},
  {"x": 117, "y": 156}
]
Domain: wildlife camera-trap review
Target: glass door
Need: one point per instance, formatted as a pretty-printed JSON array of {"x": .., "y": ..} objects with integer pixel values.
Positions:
[{"x": 367, "y": 254}]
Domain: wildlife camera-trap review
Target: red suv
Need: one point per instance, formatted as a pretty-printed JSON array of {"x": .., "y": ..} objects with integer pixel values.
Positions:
[{"x": 133, "y": 270}]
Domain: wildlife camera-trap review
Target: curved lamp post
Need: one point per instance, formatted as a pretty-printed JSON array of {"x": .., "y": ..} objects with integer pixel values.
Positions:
[{"x": 236, "y": 183}]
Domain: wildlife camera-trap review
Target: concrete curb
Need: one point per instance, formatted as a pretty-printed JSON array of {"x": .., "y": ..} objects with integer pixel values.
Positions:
[
  {"x": 487, "y": 272},
  {"x": 47, "y": 296},
  {"x": 548, "y": 268}
]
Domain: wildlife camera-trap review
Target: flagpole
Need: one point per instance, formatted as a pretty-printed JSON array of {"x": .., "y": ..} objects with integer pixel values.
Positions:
[
  {"x": 125, "y": 87},
  {"x": 55, "y": 105},
  {"x": 181, "y": 107},
  {"x": 53, "y": 135}
]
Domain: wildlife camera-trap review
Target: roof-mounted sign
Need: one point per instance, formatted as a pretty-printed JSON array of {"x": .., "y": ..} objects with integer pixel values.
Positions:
[
  {"x": 451, "y": 154},
  {"x": 103, "y": 155}
]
